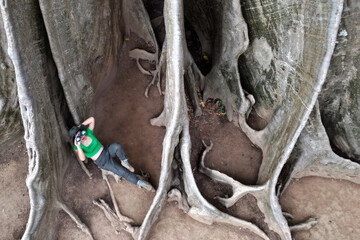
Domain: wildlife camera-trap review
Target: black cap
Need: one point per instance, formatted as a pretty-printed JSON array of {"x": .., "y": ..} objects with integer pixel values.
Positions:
[{"x": 75, "y": 129}]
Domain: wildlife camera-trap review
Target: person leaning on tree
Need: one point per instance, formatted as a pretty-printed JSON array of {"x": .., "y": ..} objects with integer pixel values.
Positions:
[{"x": 87, "y": 145}]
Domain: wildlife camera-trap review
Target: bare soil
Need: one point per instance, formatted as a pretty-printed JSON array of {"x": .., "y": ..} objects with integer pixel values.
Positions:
[
  {"x": 14, "y": 196},
  {"x": 123, "y": 115},
  {"x": 335, "y": 203},
  {"x": 175, "y": 224}
]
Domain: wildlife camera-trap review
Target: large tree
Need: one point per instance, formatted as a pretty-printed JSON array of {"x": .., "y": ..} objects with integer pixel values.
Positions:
[{"x": 271, "y": 57}]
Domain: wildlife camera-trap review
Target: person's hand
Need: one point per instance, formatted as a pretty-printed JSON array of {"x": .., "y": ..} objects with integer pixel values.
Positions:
[
  {"x": 75, "y": 142},
  {"x": 90, "y": 121}
]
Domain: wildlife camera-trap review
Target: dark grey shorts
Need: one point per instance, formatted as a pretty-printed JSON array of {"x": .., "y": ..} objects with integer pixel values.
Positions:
[{"x": 107, "y": 161}]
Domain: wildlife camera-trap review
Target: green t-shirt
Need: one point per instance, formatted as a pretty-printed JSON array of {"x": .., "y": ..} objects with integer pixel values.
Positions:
[{"x": 94, "y": 146}]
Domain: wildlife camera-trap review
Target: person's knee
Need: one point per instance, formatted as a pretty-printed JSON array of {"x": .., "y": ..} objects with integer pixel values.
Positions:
[{"x": 117, "y": 146}]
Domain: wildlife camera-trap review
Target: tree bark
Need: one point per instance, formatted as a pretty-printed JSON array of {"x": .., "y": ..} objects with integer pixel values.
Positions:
[
  {"x": 40, "y": 99},
  {"x": 59, "y": 50},
  {"x": 11, "y": 129},
  {"x": 340, "y": 97}
]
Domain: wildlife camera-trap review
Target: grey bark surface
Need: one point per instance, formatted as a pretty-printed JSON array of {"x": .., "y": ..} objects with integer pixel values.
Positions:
[
  {"x": 59, "y": 49},
  {"x": 288, "y": 42},
  {"x": 11, "y": 128},
  {"x": 301, "y": 90},
  {"x": 40, "y": 100},
  {"x": 222, "y": 28},
  {"x": 313, "y": 155},
  {"x": 231, "y": 40},
  {"x": 202, "y": 14},
  {"x": 340, "y": 97},
  {"x": 85, "y": 48},
  {"x": 77, "y": 33},
  {"x": 174, "y": 118}
]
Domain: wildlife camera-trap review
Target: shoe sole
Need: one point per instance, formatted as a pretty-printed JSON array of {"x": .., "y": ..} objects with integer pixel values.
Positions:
[{"x": 131, "y": 169}]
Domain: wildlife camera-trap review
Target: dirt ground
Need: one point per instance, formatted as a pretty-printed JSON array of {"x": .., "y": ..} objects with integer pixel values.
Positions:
[
  {"x": 123, "y": 114},
  {"x": 14, "y": 196},
  {"x": 335, "y": 203}
]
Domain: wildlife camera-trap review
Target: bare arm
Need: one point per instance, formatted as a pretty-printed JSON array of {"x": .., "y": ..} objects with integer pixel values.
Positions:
[
  {"x": 80, "y": 154},
  {"x": 79, "y": 151},
  {"x": 91, "y": 122}
]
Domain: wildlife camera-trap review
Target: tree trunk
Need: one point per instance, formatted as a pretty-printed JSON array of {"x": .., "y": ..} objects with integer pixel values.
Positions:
[
  {"x": 11, "y": 128},
  {"x": 274, "y": 58}
]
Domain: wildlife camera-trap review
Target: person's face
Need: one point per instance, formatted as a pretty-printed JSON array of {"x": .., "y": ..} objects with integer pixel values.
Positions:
[{"x": 80, "y": 136}]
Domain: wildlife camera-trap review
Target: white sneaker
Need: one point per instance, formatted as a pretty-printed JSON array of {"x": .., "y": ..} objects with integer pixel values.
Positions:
[
  {"x": 145, "y": 185},
  {"x": 125, "y": 163}
]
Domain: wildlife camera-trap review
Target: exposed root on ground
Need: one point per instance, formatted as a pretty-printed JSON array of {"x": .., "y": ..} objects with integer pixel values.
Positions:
[
  {"x": 83, "y": 167},
  {"x": 105, "y": 173},
  {"x": 139, "y": 54},
  {"x": 175, "y": 118},
  {"x": 138, "y": 21},
  {"x": 156, "y": 74},
  {"x": 193, "y": 79},
  {"x": 82, "y": 226},
  {"x": 117, "y": 220},
  {"x": 262, "y": 193},
  {"x": 201, "y": 210},
  {"x": 239, "y": 189},
  {"x": 304, "y": 226},
  {"x": 174, "y": 195},
  {"x": 117, "y": 223},
  {"x": 144, "y": 175}
]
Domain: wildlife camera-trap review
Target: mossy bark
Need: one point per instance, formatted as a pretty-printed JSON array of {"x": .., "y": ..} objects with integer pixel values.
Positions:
[{"x": 340, "y": 97}]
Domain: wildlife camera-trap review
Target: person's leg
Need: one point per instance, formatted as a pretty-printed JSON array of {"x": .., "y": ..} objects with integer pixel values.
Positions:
[
  {"x": 107, "y": 162},
  {"x": 115, "y": 149},
  {"x": 121, "y": 171},
  {"x": 145, "y": 185},
  {"x": 129, "y": 176}
]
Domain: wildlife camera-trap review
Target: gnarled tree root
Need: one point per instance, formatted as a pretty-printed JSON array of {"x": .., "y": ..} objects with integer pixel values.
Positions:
[
  {"x": 269, "y": 206},
  {"x": 139, "y": 54},
  {"x": 117, "y": 220},
  {"x": 193, "y": 78},
  {"x": 309, "y": 223},
  {"x": 84, "y": 168},
  {"x": 239, "y": 189},
  {"x": 76, "y": 219},
  {"x": 223, "y": 81},
  {"x": 174, "y": 117},
  {"x": 117, "y": 223},
  {"x": 138, "y": 21}
]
